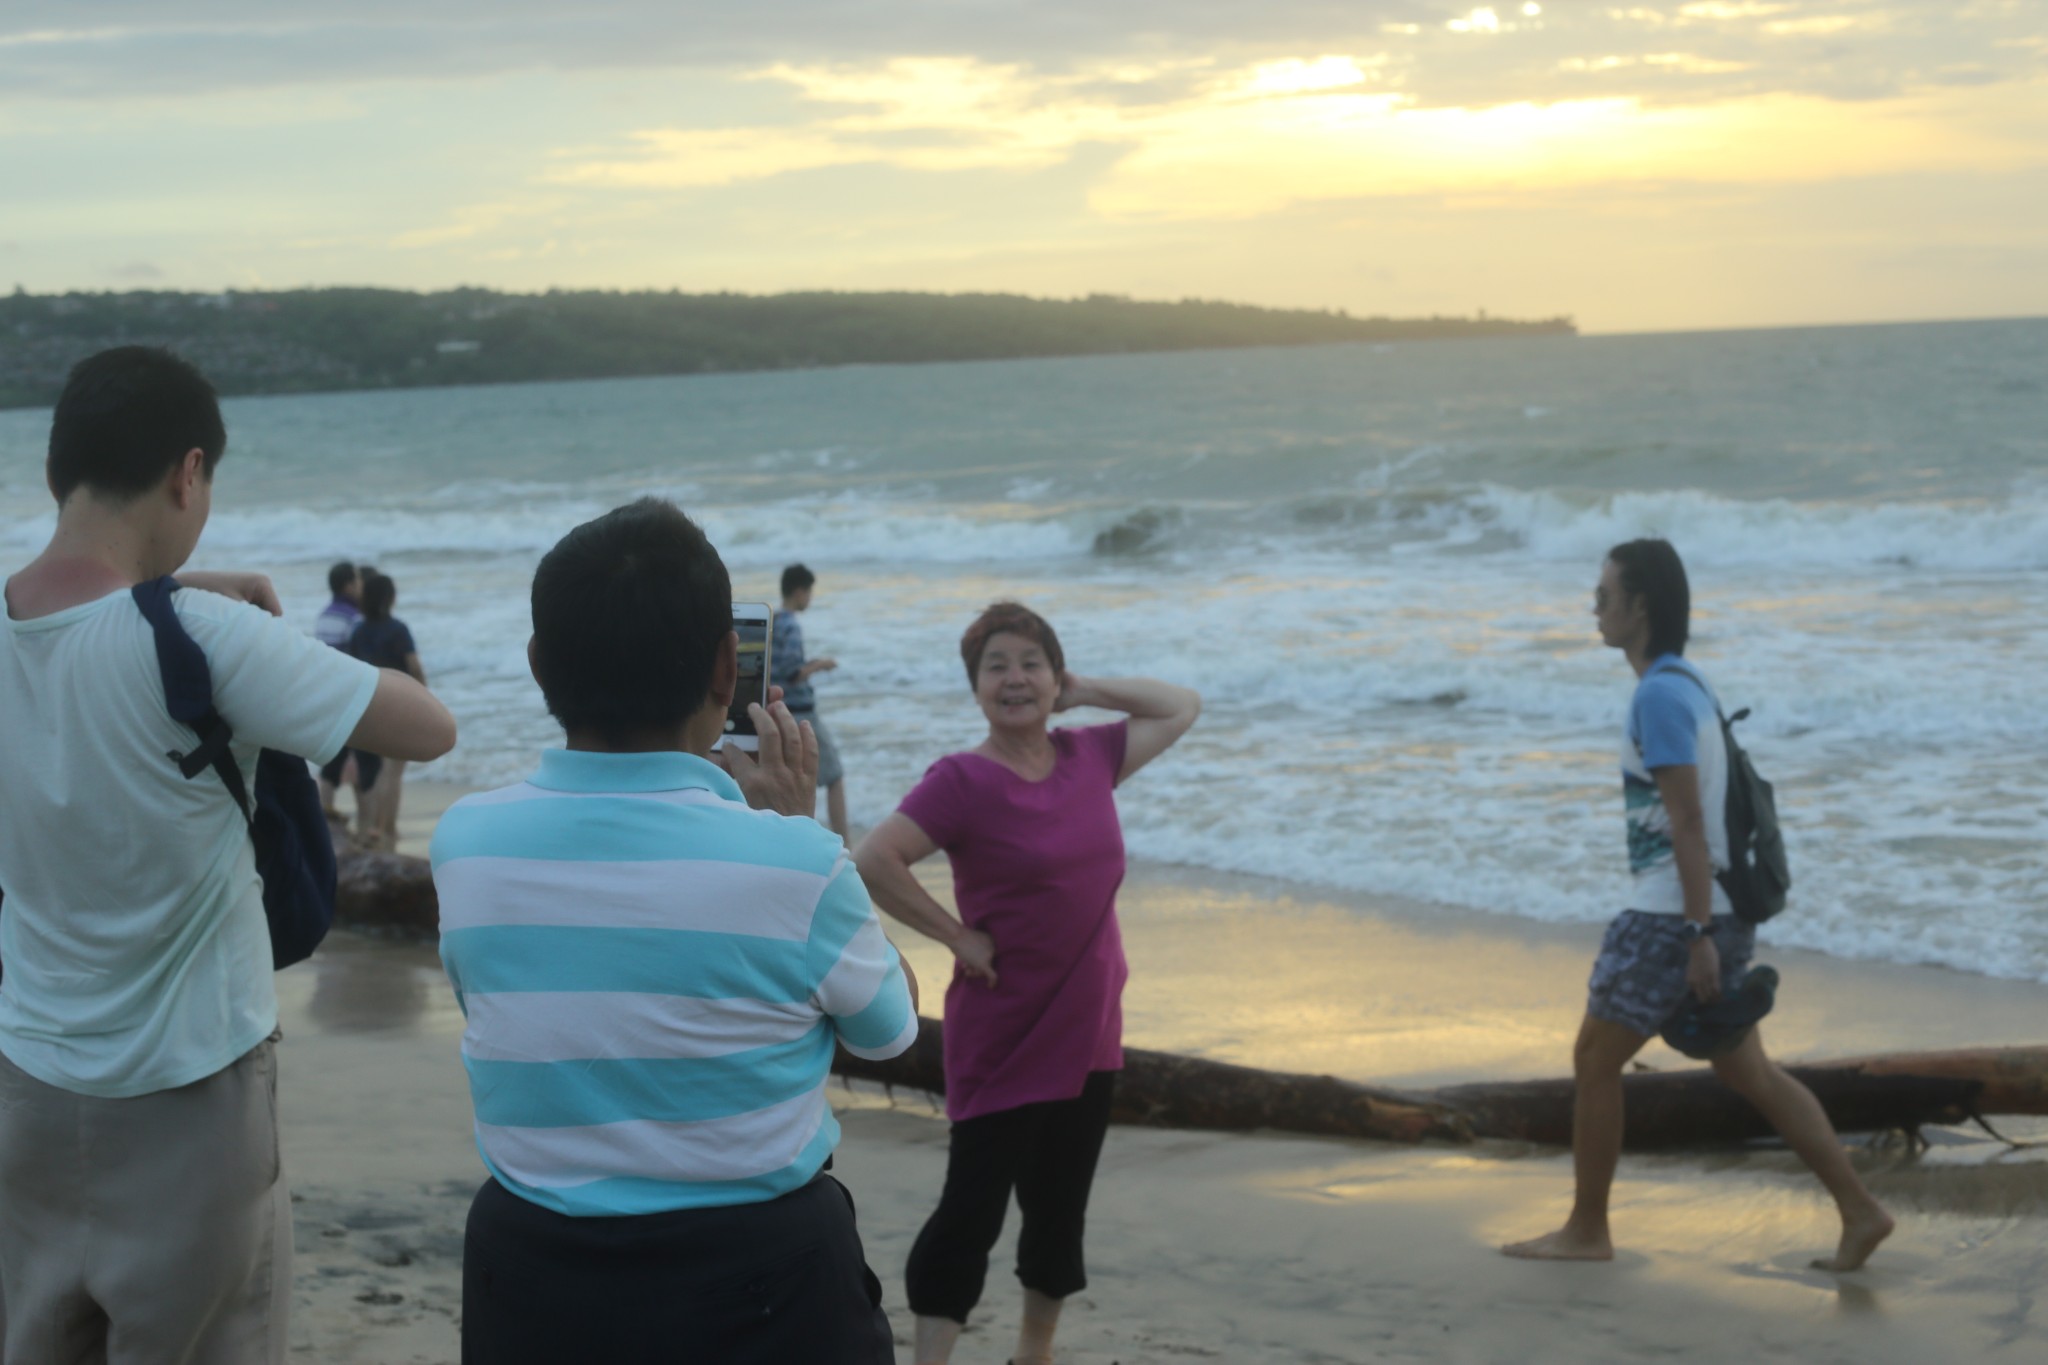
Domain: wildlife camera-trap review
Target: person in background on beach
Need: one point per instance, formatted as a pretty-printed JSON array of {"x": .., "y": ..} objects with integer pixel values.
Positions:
[
  {"x": 656, "y": 950},
  {"x": 143, "y": 1213},
  {"x": 336, "y": 626},
  {"x": 1034, "y": 1015},
  {"x": 384, "y": 640},
  {"x": 793, "y": 673},
  {"x": 1680, "y": 933}
]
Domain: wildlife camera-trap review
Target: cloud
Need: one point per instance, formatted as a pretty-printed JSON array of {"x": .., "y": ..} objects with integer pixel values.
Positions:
[
  {"x": 1448, "y": 52},
  {"x": 1255, "y": 139},
  {"x": 134, "y": 47},
  {"x": 1065, "y": 146},
  {"x": 470, "y": 222},
  {"x": 137, "y": 271},
  {"x": 926, "y": 114}
]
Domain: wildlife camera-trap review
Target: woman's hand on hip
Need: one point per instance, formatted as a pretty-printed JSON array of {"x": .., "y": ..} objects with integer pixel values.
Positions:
[{"x": 976, "y": 954}]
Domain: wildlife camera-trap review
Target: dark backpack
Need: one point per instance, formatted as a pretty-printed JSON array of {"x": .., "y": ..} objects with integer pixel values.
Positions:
[
  {"x": 1757, "y": 876},
  {"x": 287, "y": 824}
]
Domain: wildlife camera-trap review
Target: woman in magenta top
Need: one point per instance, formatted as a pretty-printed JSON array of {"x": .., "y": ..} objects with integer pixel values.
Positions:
[{"x": 1034, "y": 1016}]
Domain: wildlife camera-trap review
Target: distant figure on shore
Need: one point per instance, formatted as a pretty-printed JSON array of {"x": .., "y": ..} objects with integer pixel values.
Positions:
[
  {"x": 650, "y": 1018},
  {"x": 1680, "y": 934},
  {"x": 1034, "y": 1014},
  {"x": 143, "y": 1212},
  {"x": 384, "y": 640},
  {"x": 793, "y": 672},
  {"x": 336, "y": 626}
]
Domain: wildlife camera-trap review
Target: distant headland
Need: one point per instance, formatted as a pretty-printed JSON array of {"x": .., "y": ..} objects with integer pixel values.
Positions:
[{"x": 308, "y": 340}]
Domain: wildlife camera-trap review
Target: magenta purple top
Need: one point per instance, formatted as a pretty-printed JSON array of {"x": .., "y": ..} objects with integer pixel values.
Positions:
[{"x": 1036, "y": 867}]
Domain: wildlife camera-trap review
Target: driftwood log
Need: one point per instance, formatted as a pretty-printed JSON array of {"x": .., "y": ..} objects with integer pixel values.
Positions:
[
  {"x": 386, "y": 893},
  {"x": 1166, "y": 1090},
  {"x": 391, "y": 894},
  {"x": 1665, "y": 1109}
]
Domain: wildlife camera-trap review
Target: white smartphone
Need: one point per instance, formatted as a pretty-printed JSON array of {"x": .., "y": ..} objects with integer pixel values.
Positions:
[{"x": 754, "y": 621}]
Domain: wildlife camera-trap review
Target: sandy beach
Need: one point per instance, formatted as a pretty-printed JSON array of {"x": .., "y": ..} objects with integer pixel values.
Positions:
[{"x": 1259, "y": 1247}]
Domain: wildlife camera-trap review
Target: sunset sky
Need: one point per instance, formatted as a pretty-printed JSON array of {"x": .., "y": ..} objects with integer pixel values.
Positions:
[{"x": 1648, "y": 164}]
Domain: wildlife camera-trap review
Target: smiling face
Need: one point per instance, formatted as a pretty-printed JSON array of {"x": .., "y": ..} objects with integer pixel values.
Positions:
[
  {"x": 1624, "y": 621},
  {"x": 1015, "y": 683}
]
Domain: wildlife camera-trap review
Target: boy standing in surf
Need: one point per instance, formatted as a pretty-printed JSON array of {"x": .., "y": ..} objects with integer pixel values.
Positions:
[
  {"x": 1680, "y": 933},
  {"x": 793, "y": 672}
]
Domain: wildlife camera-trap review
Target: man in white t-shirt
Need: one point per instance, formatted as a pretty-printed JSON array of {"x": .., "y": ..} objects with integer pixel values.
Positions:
[
  {"x": 1679, "y": 935},
  {"x": 146, "y": 1218}
]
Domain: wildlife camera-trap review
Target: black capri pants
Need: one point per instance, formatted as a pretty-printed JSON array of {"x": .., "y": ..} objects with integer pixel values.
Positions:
[
  {"x": 1047, "y": 1153},
  {"x": 771, "y": 1283}
]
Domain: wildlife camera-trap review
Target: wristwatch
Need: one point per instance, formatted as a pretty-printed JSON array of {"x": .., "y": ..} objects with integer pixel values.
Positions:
[{"x": 1692, "y": 931}]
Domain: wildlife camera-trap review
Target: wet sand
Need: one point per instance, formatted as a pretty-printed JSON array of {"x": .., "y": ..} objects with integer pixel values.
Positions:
[{"x": 1257, "y": 1248}]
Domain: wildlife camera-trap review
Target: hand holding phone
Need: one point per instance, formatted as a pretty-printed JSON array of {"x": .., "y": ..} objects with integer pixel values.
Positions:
[
  {"x": 782, "y": 773},
  {"x": 753, "y": 623}
]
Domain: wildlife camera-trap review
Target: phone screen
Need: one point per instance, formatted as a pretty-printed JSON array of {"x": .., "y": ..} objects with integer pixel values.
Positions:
[{"x": 753, "y": 684}]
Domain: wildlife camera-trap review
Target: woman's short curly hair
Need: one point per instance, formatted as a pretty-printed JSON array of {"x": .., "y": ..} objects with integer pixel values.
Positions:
[{"x": 1009, "y": 618}]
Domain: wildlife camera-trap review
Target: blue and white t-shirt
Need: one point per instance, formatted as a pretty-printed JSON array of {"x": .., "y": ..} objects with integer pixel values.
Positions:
[
  {"x": 1671, "y": 722},
  {"x": 654, "y": 977}
]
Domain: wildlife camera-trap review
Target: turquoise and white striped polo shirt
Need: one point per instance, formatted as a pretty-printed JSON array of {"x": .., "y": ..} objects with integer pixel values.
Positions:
[{"x": 654, "y": 976}]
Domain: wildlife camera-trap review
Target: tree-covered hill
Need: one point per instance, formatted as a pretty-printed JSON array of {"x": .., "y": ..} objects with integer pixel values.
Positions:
[{"x": 323, "y": 339}]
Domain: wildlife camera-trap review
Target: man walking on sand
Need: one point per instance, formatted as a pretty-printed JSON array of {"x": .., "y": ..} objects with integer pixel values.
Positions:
[
  {"x": 1680, "y": 933},
  {"x": 143, "y": 1213},
  {"x": 792, "y": 672}
]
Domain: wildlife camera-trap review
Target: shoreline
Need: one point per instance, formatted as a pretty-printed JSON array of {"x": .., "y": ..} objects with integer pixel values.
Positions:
[{"x": 1406, "y": 994}]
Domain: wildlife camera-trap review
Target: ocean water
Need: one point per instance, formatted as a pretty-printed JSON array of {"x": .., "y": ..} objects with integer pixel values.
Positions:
[{"x": 1375, "y": 562}]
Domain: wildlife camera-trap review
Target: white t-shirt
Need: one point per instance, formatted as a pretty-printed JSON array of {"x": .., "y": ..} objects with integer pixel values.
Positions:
[
  {"x": 134, "y": 954},
  {"x": 1672, "y": 722}
]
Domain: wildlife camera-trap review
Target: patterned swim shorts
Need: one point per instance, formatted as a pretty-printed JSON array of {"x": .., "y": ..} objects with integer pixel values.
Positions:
[{"x": 1639, "y": 978}]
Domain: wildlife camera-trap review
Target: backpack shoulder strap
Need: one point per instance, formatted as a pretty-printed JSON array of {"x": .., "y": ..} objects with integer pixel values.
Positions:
[
  {"x": 1727, "y": 721},
  {"x": 188, "y": 691}
]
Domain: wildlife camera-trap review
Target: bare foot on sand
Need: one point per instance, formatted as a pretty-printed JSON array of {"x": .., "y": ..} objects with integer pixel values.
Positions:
[
  {"x": 1860, "y": 1236},
  {"x": 1565, "y": 1245}
]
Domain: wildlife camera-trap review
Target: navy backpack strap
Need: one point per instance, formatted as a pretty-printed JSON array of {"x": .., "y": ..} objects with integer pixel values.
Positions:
[
  {"x": 1695, "y": 680},
  {"x": 188, "y": 691},
  {"x": 287, "y": 827}
]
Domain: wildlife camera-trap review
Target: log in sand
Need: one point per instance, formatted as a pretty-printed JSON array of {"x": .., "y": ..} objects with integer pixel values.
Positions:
[
  {"x": 391, "y": 894},
  {"x": 1167, "y": 1090},
  {"x": 1665, "y": 1109}
]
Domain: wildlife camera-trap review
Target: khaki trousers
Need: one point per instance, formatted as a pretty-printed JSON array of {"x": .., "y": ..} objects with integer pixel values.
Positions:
[{"x": 147, "y": 1231}]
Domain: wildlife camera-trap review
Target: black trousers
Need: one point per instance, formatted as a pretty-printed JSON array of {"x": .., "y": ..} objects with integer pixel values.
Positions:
[
  {"x": 773, "y": 1283},
  {"x": 1047, "y": 1153}
]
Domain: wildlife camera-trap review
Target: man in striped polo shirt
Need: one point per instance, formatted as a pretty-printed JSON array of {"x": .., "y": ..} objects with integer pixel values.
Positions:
[{"x": 656, "y": 950}]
